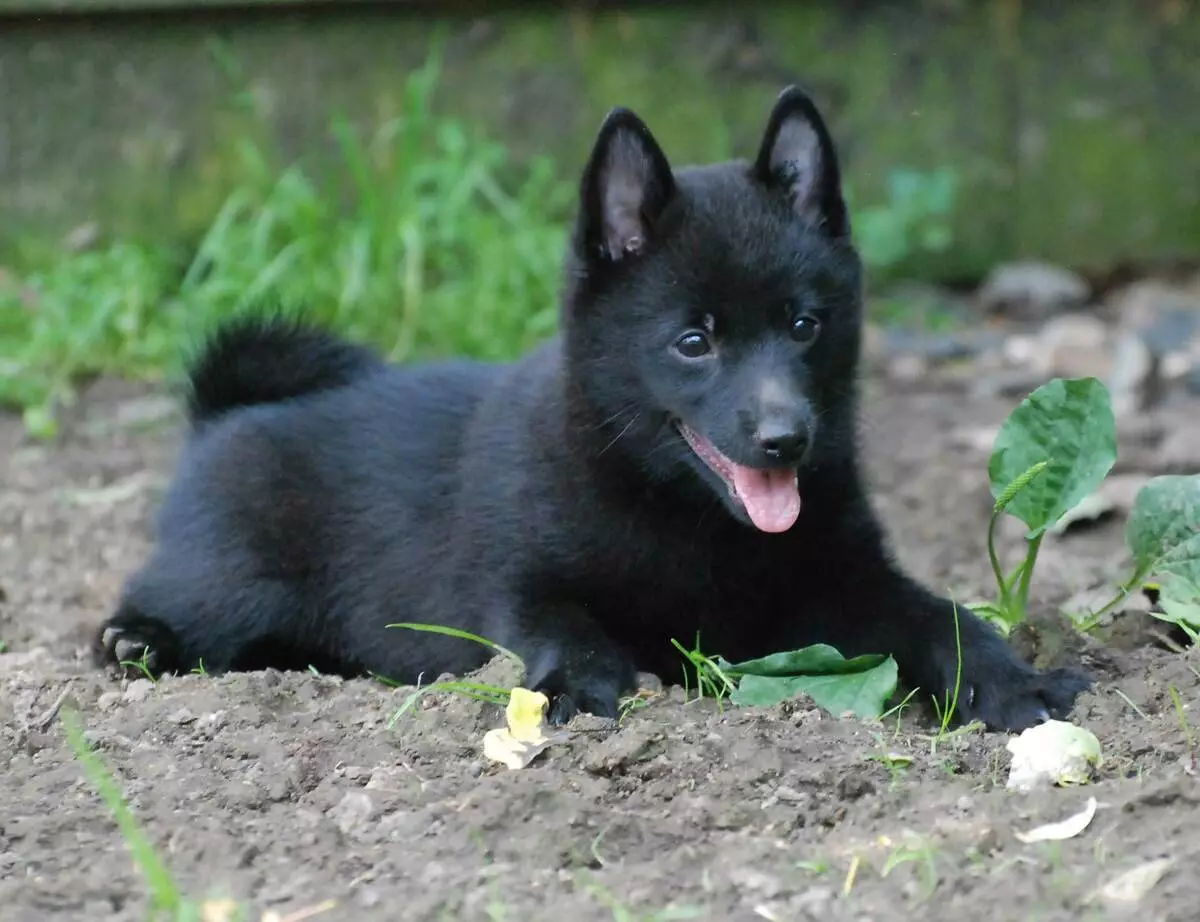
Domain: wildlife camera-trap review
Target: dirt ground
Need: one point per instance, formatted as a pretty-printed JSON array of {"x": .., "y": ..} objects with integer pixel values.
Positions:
[{"x": 288, "y": 790}]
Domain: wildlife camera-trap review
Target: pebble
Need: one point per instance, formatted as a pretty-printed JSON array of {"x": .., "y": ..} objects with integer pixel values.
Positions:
[
  {"x": 137, "y": 690},
  {"x": 1032, "y": 290}
]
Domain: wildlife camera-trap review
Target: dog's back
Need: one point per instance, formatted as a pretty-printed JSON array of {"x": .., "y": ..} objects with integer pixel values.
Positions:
[{"x": 313, "y": 466}]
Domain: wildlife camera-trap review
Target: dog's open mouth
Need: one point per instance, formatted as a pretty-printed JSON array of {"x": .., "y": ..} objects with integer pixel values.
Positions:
[{"x": 771, "y": 498}]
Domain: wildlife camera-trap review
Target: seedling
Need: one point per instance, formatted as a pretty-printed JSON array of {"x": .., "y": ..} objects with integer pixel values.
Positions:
[
  {"x": 1054, "y": 450},
  {"x": 141, "y": 664}
]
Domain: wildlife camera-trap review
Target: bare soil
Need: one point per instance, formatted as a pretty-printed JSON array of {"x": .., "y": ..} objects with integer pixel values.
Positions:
[{"x": 288, "y": 790}]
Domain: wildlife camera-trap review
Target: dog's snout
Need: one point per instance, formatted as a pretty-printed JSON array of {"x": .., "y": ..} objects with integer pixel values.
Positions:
[{"x": 782, "y": 439}]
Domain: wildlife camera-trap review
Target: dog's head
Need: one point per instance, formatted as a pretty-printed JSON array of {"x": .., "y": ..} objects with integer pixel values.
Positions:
[{"x": 712, "y": 313}]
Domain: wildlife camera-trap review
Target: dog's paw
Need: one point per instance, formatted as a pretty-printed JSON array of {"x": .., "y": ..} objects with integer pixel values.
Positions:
[
  {"x": 139, "y": 647},
  {"x": 121, "y": 647},
  {"x": 582, "y": 686},
  {"x": 1002, "y": 691}
]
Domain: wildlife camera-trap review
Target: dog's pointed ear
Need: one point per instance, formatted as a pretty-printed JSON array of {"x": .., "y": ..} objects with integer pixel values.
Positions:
[
  {"x": 626, "y": 186},
  {"x": 797, "y": 156}
]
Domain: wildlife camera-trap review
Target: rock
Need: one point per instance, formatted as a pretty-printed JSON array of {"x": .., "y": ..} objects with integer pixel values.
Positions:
[
  {"x": 759, "y": 882},
  {"x": 1165, "y": 316},
  {"x": 1032, "y": 290},
  {"x": 1133, "y": 380},
  {"x": 353, "y": 812},
  {"x": 137, "y": 690},
  {"x": 1074, "y": 345},
  {"x": 25, "y": 659},
  {"x": 907, "y": 368},
  {"x": 1180, "y": 450}
]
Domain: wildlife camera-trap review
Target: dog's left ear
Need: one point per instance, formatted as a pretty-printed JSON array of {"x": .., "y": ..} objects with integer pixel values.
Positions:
[{"x": 797, "y": 156}]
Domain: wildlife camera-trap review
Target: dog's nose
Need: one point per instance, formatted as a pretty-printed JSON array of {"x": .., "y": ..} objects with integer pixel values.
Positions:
[{"x": 782, "y": 440}]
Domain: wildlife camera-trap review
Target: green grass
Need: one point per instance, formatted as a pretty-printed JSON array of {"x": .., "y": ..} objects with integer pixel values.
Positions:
[
  {"x": 431, "y": 242},
  {"x": 166, "y": 898},
  {"x": 428, "y": 240}
]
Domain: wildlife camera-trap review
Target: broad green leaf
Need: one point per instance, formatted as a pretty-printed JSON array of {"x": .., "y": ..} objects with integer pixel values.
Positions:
[
  {"x": 1067, "y": 423},
  {"x": 1164, "y": 535},
  {"x": 1179, "y": 598},
  {"x": 862, "y": 693},
  {"x": 819, "y": 659},
  {"x": 1164, "y": 527}
]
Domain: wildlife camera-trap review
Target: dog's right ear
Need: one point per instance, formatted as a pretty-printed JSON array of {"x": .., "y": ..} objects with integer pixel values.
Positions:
[{"x": 626, "y": 186}]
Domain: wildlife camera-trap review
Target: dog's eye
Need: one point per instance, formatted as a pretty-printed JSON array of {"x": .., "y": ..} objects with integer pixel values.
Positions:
[
  {"x": 693, "y": 345},
  {"x": 805, "y": 329}
]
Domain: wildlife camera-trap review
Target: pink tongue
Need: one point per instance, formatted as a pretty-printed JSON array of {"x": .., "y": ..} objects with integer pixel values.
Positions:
[{"x": 770, "y": 497}]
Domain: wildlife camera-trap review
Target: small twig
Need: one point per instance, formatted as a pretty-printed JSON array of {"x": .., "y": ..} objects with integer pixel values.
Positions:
[
  {"x": 1124, "y": 697},
  {"x": 41, "y": 723}
]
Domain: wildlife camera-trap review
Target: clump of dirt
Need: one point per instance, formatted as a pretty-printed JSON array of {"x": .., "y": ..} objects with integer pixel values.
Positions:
[{"x": 289, "y": 789}]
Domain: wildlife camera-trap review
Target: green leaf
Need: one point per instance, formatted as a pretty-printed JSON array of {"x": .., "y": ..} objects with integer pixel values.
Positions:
[
  {"x": 863, "y": 693},
  {"x": 1164, "y": 536},
  {"x": 819, "y": 659},
  {"x": 1069, "y": 424}
]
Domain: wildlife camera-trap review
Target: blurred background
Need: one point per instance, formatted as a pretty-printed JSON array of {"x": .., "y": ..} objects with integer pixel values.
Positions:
[{"x": 1024, "y": 176}]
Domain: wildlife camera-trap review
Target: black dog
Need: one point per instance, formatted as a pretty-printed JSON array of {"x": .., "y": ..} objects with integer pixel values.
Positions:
[{"x": 681, "y": 459}]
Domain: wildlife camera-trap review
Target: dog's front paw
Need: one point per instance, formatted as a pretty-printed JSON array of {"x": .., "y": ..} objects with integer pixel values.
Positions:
[
  {"x": 998, "y": 688},
  {"x": 589, "y": 684}
]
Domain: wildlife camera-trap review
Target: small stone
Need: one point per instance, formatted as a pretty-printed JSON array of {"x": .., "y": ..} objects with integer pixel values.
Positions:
[
  {"x": 352, "y": 812},
  {"x": 1074, "y": 345},
  {"x": 1032, "y": 290},
  {"x": 908, "y": 368},
  {"x": 758, "y": 882},
  {"x": 182, "y": 716},
  {"x": 1133, "y": 381},
  {"x": 137, "y": 690},
  {"x": 1180, "y": 450},
  {"x": 108, "y": 700}
]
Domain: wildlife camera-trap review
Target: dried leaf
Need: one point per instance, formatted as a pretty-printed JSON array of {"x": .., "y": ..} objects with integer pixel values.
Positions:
[
  {"x": 1135, "y": 883},
  {"x": 525, "y": 737},
  {"x": 1065, "y": 829}
]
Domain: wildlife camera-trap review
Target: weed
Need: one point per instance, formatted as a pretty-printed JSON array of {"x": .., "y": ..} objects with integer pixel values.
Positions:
[
  {"x": 915, "y": 218},
  {"x": 480, "y": 691},
  {"x": 421, "y": 250},
  {"x": 923, "y": 853},
  {"x": 899, "y": 709},
  {"x": 946, "y": 713},
  {"x": 894, "y": 762},
  {"x": 1124, "y": 697},
  {"x": 141, "y": 664},
  {"x": 711, "y": 680},
  {"x": 1185, "y": 725},
  {"x": 1055, "y": 449}
]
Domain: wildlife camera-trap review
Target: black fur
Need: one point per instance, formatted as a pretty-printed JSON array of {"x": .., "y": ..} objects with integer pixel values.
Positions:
[
  {"x": 251, "y": 360},
  {"x": 553, "y": 505}
]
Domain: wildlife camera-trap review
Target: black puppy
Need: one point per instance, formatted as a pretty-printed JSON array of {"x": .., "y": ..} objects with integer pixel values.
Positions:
[{"x": 681, "y": 459}]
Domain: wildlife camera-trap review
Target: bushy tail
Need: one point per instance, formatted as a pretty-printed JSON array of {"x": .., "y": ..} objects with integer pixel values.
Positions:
[{"x": 252, "y": 360}]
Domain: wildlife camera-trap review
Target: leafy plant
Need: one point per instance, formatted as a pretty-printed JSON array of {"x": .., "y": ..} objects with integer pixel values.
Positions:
[
  {"x": 915, "y": 217},
  {"x": 425, "y": 239},
  {"x": 1054, "y": 449},
  {"x": 860, "y": 685}
]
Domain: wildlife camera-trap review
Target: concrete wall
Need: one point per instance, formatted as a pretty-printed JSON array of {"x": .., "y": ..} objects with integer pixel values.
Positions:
[{"x": 1074, "y": 127}]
